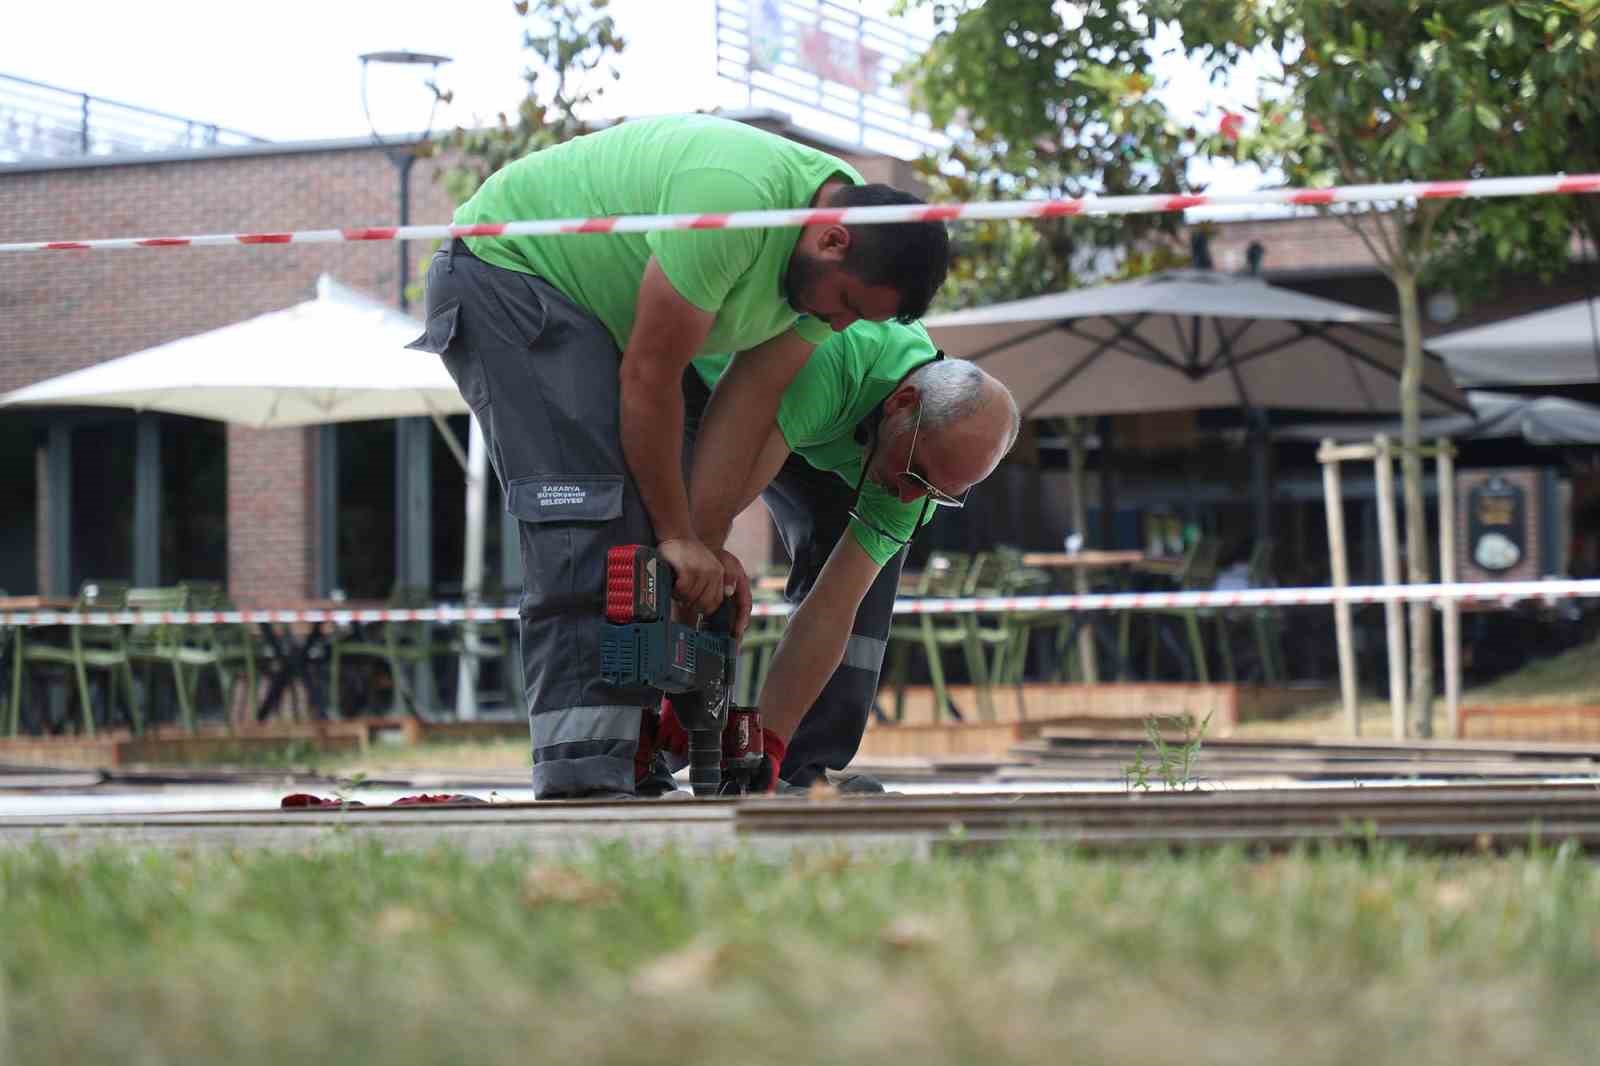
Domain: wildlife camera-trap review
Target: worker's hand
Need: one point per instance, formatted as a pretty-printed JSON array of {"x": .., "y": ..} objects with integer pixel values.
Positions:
[
  {"x": 697, "y": 574},
  {"x": 736, "y": 583}
]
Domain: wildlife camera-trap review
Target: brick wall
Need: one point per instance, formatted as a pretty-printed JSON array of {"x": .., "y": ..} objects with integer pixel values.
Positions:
[
  {"x": 271, "y": 519},
  {"x": 1298, "y": 250},
  {"x": 1292, "y": 244},
  {"x": 68, "y": 310}
]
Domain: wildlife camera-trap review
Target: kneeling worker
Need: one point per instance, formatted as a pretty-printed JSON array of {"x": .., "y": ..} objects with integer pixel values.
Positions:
[{"x": 875, "y": 431}]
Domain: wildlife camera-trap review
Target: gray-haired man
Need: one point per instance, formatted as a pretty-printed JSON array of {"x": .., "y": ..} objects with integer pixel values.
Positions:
[{"x": 874, "y": 432}]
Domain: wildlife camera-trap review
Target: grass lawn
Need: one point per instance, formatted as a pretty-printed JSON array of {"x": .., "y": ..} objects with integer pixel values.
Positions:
[{"x": 351, "y": 955}]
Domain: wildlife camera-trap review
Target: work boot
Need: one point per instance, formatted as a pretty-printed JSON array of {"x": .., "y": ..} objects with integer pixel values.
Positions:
[
  {"x": 844, "y": 784},
  {"x": 856, "y": 784},
  {"x": 659, "y": 783}
]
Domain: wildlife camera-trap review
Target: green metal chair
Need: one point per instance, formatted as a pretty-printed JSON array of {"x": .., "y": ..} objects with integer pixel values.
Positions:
[
  {"x": 1010, "y": 633},
  {"x": 1017, "y": 627},
  {"x": 945, "y": 575},
  {"x": 399, "y": 645},
  {"x": 993, "y": 573},
  {"x": 757, "y": 649},
  {"x": 88, "y": 647},
  {"x": 186, "y": 649},
  {"x": 1265, "y": 622},
  {"x": 1197, "y": 572},
  {"x": 235, "y": 645}
]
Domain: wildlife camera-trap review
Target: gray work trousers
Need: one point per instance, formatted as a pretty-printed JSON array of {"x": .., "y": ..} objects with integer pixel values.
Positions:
[
  {"x": 811, "y": 509},
  {"x": 540, "y": 374}
]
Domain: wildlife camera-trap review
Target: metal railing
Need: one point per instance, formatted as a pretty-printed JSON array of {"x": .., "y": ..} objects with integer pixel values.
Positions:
[{"x": 39, "y": 121}]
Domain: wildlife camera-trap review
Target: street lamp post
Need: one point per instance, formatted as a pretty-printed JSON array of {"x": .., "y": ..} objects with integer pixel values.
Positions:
[
  {"x": 403, "y": 153},
  {"x": 413, "y": 436}
]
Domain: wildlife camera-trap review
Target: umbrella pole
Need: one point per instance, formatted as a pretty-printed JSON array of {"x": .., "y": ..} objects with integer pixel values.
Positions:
[
  {"x": 1333, "y": 503},
  {"x": 1077, "y": 449},
  {"x": 1445, "y": 466},
  {"x": 1394, "y": 619},
  {"x": 450, "y": 441},
  {"x": 472, "y": 570}
]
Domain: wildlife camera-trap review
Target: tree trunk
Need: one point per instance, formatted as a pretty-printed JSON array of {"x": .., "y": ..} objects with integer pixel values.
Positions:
[{"x": 1418, "y": 569}]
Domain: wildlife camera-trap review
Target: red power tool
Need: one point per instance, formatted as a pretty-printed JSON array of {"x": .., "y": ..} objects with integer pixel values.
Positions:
[{"x": 641, "y": 645}]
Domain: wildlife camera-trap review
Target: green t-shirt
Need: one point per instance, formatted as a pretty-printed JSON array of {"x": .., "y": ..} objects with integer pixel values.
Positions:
[
  {"x": 846, "y": 378},
  {"x": 677, "y": 164}
]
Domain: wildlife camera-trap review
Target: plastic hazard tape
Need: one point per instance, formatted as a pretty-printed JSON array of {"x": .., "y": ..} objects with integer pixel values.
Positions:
[
  {"x": 1481, "y": 188},
  {"x": 1503, "y": 593}
]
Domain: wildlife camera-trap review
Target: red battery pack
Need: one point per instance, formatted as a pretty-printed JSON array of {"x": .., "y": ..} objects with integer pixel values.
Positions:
[{"x": 635, "y": 576}]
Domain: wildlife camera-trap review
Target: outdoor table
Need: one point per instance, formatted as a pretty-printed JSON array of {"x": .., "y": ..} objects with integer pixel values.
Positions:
[
  {"x": 292, "y": 656},
  {"x": 1165, "y": 565},
  {"x": 1082, "y": 564},
  {"x": 908, "y": 581},
  {"x": 1092, "y": 559},
  {"x": 35, "y": 603}
]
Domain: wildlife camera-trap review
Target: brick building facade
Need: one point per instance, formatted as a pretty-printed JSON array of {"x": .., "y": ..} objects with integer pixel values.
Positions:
[{"x": 67, "y": 310}]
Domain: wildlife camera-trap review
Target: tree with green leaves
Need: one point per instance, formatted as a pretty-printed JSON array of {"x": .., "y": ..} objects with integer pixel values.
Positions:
[
  {"x": 1059, "y": 98},
  {"x": 1387, "y": 91},
  {"x": 1049, "y": 100},
  {"x": 574, "y": 42},
  {"x": 1549, "y": 63}
]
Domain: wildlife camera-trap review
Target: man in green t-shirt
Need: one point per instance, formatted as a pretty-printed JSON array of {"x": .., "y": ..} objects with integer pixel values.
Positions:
[
  {"x": 875, "y": 430},
  {"x": 570, "y": 351}
]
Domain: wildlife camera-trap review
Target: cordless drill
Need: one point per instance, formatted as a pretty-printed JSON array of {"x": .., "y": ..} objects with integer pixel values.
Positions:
[{"x": 640, "y": 644}]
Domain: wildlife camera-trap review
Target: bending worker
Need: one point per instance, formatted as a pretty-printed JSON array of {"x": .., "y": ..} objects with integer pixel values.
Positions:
[
  {"x": 570, "y": 351},
  {"x": 875, "y": 431}
]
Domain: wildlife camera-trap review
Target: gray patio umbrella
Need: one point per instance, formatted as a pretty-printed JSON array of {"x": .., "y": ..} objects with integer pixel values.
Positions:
[
  {"x": 1541, "y": 420},
  {"x": 1558, "y": 346},
  {"x": 1188, "y": 340}
]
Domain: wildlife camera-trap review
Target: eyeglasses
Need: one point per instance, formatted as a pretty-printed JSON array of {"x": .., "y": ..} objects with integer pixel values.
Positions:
[
  {"x": 939, "y": 497},
  {"x": 931, "y": 496}
]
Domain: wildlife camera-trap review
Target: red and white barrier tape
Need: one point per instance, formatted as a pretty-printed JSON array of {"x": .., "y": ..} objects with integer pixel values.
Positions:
[
  {"x": 1503, "y": 593},
  {"x": 1536, "y": 185}
]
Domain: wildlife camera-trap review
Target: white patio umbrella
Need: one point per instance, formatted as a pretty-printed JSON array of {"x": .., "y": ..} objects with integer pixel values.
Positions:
[
  {"x": 1558, "y": 346},
  {"x": 1186, "y": 340},
  {"x": 340, "y": 357}
]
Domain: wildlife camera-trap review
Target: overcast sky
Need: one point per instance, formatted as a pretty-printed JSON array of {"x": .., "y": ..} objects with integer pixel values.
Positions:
[{"x": 288, "y": 69}]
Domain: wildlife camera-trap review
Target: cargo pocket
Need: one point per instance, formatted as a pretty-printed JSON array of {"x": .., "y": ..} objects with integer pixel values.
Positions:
[
  {"x": 438, "y": 337},
  {"x": 567, "y": 522}
]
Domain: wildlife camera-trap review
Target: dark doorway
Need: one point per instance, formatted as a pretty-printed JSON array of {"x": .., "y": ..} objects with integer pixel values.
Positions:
[
  {"x": 194, "y": 500},
  {"x": 19, "y": 494},
  {"x": 366, "y": 509},
  {"x": 103, "y": 453}
]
